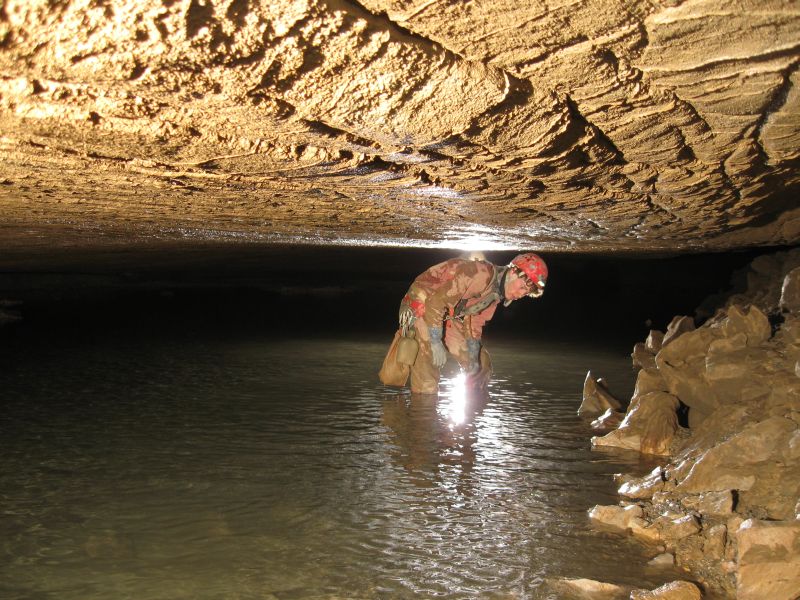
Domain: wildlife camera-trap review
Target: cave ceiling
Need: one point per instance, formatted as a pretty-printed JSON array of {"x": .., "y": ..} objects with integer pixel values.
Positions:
[{"x": 579, "y": 125}]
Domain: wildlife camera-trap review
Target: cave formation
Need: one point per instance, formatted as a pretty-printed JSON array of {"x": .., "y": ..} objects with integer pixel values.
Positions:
[{"x": 579, "y": 126}]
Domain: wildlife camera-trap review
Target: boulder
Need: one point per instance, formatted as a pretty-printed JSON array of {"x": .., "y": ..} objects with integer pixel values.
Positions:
[
  {"x": 733, "y": 463},
  {"x": 676, "y": 590},
  {"x": 712, "y": 504},
  {"x": 768, "y": 560},
  {"x": 654, "y": 341},
  {"x": 674, "y": 528},
  {"x": 644, "y": 531},
  {"x": 790, "y": 292},
  {"x": 596, "y": 397},
  {"x": 738, "y": 364},
  {"x": 609, "y": 420},
  {"x": 588, "y": 589},
  {"x": 615, "y": 517},
  {"x": 714, "y": 544},
  {"x": 750, "y": 321},
  {"x": 648, "y": 427},
  {"x": 677, "y": 327},
  {"x": 643, "y": 488},
  {"x": 682, "y": 364},
  {"x": 642, "y": 357},
  {"x": 649, "y": 380}
]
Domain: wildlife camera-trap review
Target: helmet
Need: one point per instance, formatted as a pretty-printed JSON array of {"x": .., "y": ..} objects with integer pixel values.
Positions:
[{"x": 533, "y": 267}]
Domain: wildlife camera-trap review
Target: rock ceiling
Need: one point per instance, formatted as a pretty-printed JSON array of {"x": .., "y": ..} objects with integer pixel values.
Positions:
[{"x": 555, "y": 124}]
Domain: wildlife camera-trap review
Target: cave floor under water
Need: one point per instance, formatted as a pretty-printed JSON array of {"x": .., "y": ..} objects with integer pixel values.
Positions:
[{"x": 254, "y": 467}]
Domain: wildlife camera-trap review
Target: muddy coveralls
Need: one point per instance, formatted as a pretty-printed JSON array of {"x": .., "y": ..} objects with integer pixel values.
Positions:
[{"x": 459, "y": 296}]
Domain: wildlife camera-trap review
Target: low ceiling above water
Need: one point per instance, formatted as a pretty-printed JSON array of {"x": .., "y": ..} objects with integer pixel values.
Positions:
[{"x": 578, "y": 125}]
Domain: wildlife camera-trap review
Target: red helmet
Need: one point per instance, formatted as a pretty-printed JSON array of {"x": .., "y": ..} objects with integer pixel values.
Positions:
[{"x": 533, "y": 267}]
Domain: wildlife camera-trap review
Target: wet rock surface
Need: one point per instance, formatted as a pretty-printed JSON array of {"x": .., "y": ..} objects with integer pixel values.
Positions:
[
  {"x": 725, "y": 503},
  {"x": 620, "y": 125}
]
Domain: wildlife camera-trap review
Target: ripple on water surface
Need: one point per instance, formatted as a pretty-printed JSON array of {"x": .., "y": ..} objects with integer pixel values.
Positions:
[{"x": 263, "y": 469}]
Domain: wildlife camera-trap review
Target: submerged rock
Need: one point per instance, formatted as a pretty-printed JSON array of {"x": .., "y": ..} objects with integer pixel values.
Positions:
[
  {"x": 588, "y": 589},
  {"x": 607, "y": 421},
  {"x": 596, "y": 397},
  {"x": 615, "y": 517},
  {"x": 648, "y": 427},
  {"x": 644, "y": 487},
  {"x": 676, "y": 590}
]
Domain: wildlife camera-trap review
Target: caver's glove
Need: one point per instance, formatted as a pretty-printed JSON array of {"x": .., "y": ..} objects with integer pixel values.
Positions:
[
  {"x": 406, "y": 318},
  {"x": 474, "y": 354},
  {"x": 438, "y": 351}
]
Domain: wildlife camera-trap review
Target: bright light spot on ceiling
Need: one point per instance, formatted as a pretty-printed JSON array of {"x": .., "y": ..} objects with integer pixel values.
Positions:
[{"x": 474, "y": 239}]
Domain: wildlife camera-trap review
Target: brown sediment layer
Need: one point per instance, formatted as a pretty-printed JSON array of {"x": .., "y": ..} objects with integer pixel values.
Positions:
[{"x": 726, "y": 502}]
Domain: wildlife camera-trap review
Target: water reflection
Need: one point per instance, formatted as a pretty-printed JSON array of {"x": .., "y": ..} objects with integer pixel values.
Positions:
[
  {"x": 434, "y": 438},
  {"x": 173, "y": 470}
]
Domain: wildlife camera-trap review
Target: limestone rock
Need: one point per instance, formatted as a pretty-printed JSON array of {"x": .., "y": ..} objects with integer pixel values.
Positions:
[
  {"x": 654, "y": 341},
  {"x": 715, "y": 504},
  {"x": 607, "y": 421},
  {"x": 716, "y": 538},
  {"x": 642, "y": 358},
  {"x": 734, "y": 463},
  {"x": 643, "y": 488},
  {"x": 682, "y": 364},
  {"x": 645, "y": 531},
  {"x": 662, "y": 560},
  {"x": 649, "y": 380},
  {"x": 674, "y": 529},
  {"x": 615, "y": 517},
  {"x": 676, "y": 590},
  {"x": 588, "y": 589},
  {"x": 677, "y": 327},
  {"x": 596, "y": 397},
  {"x": 751, "y": 322},
  {"x": 648, "y": 427},
  {"x": 768, "y": 560},
  {"x": 790, "y": 292}
]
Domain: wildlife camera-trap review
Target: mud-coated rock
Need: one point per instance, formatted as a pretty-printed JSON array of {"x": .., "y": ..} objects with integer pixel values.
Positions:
[
  {"x": 648, "y": 427},
  {"x": 676, "y": 590},
  {"x": 768, "y": 560},
  {"x": 596, "y": 397}
]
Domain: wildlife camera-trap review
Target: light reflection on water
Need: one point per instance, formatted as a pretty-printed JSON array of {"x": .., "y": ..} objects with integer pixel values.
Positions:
[{"x": 262, "y": 469}]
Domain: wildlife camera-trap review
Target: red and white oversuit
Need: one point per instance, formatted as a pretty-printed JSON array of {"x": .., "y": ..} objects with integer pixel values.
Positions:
[{"x": 459, "y": 296}]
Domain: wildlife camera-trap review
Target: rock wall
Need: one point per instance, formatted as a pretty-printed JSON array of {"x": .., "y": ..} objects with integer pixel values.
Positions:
[{"x": 727, "y": 501}]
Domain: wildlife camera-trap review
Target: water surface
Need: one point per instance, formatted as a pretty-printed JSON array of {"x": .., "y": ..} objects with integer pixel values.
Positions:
[{"x": 258, "y": 468}]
